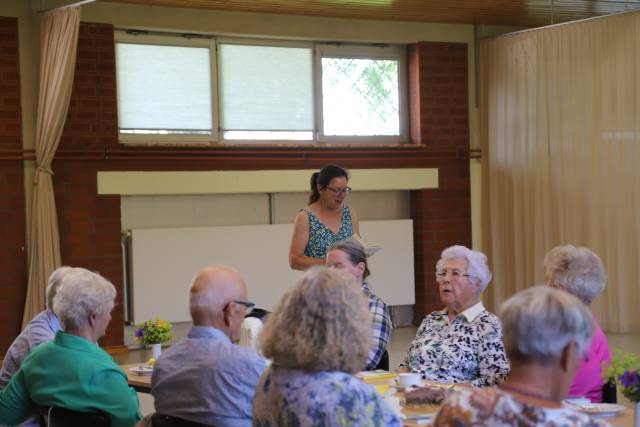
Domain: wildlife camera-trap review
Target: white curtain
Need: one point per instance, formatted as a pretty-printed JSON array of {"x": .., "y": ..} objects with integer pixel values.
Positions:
[
  {"x": 560, "y": 129},
  {"x": 58, "y": 45}
]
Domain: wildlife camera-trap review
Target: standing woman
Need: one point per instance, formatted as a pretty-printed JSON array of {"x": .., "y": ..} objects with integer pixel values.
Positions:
[{"x": 325, "y": 221}]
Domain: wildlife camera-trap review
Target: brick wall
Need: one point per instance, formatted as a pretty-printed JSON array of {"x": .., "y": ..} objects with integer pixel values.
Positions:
[
  {"x": 90, "y": 224},
  {"x": 13, "y": 262},
  {"x": 439, "y": 120}
]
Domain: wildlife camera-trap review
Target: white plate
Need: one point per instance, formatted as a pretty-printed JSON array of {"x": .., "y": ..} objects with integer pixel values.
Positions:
[
  {"x": 142, "y": 370},
  {"x": 603, "y": 409}
]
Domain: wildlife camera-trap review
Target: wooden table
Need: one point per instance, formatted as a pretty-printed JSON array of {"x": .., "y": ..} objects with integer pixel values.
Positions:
[
  {"x": 623, "y": 419},
  {"x": 141, "y": 383}
]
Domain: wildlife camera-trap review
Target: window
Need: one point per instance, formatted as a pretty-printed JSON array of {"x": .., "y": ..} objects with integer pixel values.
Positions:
[
  {"x": 166, "y": 87},
  {"x": 361, "y": 93},
  {"x": 186, "y": 90},
  {"x": 266, "y": 91}
]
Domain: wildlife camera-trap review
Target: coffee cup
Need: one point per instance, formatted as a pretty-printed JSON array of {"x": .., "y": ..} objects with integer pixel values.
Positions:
[{"x": 408, "y": 379}]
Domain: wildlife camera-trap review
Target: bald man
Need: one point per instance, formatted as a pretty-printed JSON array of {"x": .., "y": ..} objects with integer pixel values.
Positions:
[{"x": 206, "y": 377}]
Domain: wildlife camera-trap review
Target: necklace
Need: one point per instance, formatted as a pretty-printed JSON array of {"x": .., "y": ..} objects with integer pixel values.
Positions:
[{"x": 534, "y": 394}]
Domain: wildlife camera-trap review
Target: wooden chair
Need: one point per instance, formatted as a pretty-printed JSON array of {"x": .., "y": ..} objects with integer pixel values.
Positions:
[
  {"x": 55, "y": 416},
  {"x": 609, "y": 392}
]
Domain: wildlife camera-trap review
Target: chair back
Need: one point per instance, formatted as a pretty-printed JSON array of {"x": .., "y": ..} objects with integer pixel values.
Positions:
[
  {"x": 159, "y": 420},
  {"x": 384, "y": 362},
  {"x": 609, "y": 392},
  {"x": 55, "y": 416}
]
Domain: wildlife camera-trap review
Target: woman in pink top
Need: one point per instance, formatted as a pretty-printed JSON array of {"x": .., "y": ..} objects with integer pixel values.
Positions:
[{"x": 580, "y": 272}]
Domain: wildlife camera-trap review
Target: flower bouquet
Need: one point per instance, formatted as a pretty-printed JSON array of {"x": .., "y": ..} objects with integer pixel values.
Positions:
[
  {"x": 625, "y": 371},
  {"x": 154, "y": 333}
]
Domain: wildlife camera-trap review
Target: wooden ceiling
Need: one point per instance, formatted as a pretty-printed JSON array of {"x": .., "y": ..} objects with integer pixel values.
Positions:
[{"x": 496, "y": 12}]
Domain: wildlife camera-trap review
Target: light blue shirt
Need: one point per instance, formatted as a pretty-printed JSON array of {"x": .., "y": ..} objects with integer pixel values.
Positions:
[
  {"x": 41, "y": 328},
  {"x": 207, "y": 379}
]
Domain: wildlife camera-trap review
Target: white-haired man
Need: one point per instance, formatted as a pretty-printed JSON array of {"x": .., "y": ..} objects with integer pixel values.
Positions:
[{"x": 206, "y": 378}]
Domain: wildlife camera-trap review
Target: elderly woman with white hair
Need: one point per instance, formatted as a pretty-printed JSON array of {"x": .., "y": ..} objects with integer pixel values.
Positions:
[
  {"x": 318, "y": 336},
  {"x": 580, "y": 272},
  {"x": 546, "y": 332},
  {"x": 463, "y": 342},
  {"x": 72, "y": 371}
]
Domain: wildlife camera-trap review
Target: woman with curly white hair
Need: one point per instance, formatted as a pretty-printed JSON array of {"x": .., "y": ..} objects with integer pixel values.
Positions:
[
  {"x": 580, "y": 272},
  {"x": 462, "y": 343},
  {"x": 72, "y": 371},
  {"x": 318, "y": 336},
  {"x": 546, "y": 332}
]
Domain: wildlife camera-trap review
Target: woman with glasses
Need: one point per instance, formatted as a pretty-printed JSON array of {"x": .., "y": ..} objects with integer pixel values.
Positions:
[
  {"x": 325, "y": 221},
  {"x": 462, "y": 343}
]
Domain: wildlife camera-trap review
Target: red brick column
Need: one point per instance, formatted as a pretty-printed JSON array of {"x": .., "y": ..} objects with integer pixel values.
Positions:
[
  {"x": 13, "y": 259},
  {"x": 439, "y": 119},
  {"x": 89, "y": 223}
]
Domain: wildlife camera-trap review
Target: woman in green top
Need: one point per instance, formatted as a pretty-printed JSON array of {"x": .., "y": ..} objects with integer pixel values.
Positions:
[
  {"x": 325, "y": 221},
  {"x": 72, "y": 371}
]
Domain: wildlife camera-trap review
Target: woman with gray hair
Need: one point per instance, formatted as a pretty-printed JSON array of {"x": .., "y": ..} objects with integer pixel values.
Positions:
[
  {"x": 72, "y": 371},
  {"x": 318, "y": 336},
  {"x": 546, "y": 331},
  {"x": 41, "y": 328},
  {"x": 580, "y": 272},
  {"x": 463, "y": 342}
]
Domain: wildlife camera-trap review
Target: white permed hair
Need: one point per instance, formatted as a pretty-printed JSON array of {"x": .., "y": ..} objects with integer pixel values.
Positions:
[
  {"x": 81, "y": 293},
  {"x": 577, "y": 270},
  {"x": 54, "y": 283},
  {"x": 477, "y": 267},
  {"x": 539, "y": 322}
]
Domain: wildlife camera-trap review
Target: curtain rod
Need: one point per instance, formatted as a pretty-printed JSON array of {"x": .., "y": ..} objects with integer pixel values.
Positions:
[
  {"x": 78, "y": 3},
  {"x": 561, "y": 24}
]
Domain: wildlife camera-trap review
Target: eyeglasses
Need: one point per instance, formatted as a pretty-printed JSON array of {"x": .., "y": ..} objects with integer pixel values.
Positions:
[
  {"x": 248, "y": 306},
  {"x": 455, "y": 274},
  {"x": 346, "y": 190}
]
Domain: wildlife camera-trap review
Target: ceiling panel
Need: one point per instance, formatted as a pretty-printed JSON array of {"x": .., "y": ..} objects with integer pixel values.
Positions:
[{"x": 497, "y": 12}]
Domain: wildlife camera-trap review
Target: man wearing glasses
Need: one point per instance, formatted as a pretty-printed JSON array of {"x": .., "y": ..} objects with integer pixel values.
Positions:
[{"x": 206, "y": 377}]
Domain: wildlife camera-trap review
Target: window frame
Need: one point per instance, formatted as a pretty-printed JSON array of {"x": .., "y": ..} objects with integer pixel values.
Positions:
[
  {"x": 318, "y": 50},
  {"x": 143, "y": 37},
  {"x": 359, "y": 51}
]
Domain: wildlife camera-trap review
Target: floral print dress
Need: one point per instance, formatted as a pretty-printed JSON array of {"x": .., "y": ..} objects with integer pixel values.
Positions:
[
  {"x": 468, "y": 349},
  {"x": 293, "y": 397},
  {"x": 492, "y": 407},
  {"x": 321, "y": 237}
]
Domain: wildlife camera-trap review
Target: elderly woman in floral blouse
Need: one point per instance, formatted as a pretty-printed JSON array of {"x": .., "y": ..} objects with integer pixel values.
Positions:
[
  {"x": 462, "y": 343},
  {"x": 318, "y": 336}
]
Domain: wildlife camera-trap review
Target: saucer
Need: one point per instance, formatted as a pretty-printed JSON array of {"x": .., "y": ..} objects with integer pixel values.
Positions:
[
  {"x": 602, "y": 409},
  {"x": 142, "y": 370}
]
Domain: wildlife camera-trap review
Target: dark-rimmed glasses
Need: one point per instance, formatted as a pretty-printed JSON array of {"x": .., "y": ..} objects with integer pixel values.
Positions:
[
  {"x": 346, "y": 190},
  {"x": 248, "y": 306}
]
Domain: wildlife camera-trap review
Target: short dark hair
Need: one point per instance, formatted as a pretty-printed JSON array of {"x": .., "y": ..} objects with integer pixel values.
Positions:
[{"x": 323, "y": 178}]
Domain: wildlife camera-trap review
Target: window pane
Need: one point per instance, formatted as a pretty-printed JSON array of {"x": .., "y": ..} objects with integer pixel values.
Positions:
[
  {"x": 265, "y": 88},
  {"x": 360, "y": 97},
  {"x": 163, "y": 89}
]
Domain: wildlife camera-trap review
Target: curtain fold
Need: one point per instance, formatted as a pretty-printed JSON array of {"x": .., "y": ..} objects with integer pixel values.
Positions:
[
  {"x": 58, "y": 46},
  {"x": 560, "y": 131}
]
